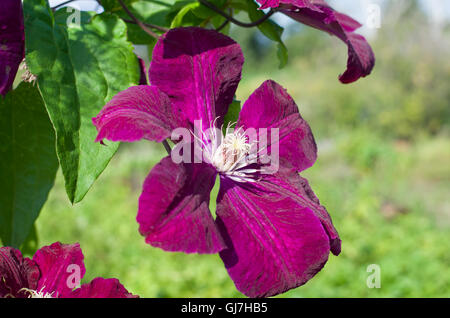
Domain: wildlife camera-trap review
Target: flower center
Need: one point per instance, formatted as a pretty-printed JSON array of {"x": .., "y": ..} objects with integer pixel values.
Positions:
[
  {"x": 230, "y": 154},
  {"x": 233, "y": 148}
]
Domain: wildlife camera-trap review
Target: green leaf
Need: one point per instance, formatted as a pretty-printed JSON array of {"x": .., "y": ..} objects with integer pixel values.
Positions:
[
  {"x": 282, "y": 54},
  {"x": 31, "y": 244},
  {"x": 114, "y": 5},
  {"x": 232, "y": 114},
  {"x": 238, "y": 5},
  {"x": 79, "y": 69},
  {"x": 157, "y": 13},
  {"x": 217, "y": 21},
  {"x": 178, "y": 20},
  {"x": 150, "y": 48},
  {"x": 28, "y": 162},
  {"x": 271, "y": 30},
  {"x": 204, "y": 12}
]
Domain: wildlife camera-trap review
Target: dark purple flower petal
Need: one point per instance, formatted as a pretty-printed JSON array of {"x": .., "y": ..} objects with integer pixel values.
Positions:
[
  {"x": 360, "y": 59},
  {"x": 12, "y": 42},
  {"x": 16, "y": 273},
  {"x": 270, "y": 106},
  {"x": 199, "y": 70},
  {"x": 54, "y": 262},
  {"x": 298, "y": 3},
  {"x": 174, "y": 208},
  {"x": 319, "y": 15},
  {"x": 269, "y": 4},
  {"x": 275, "y": 243},
  {"x": 293, "y": 185},
  {"x": 135, "y": 113},
  {"x": 101, "y": 288}
]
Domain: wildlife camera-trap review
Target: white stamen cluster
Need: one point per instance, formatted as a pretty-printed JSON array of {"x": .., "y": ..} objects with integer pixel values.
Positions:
[
  {"x": 230, "y": 154},
  {"x": 38, "y": 293}
]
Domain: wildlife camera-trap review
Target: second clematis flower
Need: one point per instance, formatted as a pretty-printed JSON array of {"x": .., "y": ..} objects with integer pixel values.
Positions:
[
  {"x": 270, "y": 229},
  {"x": 54, "y": 272}
]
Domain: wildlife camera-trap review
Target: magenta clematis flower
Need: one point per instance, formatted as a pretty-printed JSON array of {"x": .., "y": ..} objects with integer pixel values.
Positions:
[
  {"x": 53, "y": 272},
  {"x": 270, "y": 229},
  {"x": 12, "y": 42},
  {"x": 318, "y": 14}
]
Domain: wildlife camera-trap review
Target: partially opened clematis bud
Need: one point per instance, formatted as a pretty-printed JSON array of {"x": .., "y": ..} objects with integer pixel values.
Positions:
[
  {"x": 54, "y": 272},
  {"x": 318, "y": 14},
  {"x": 12, "y": 42}
]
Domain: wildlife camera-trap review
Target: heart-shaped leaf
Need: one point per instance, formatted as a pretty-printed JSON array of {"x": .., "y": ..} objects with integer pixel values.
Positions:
[{"x": 79, "y": 68}]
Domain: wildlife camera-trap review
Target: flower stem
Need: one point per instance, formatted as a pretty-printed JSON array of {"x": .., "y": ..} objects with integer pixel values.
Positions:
[
  {"x": 153, "y": 26},
  {"x": 166, "y": 146},
  {"x": 223, "y": 25},
  {"x": 137, "y": 21}
]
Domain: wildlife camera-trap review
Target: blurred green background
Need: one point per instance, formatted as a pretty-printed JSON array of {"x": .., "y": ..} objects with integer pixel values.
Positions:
[{"x": 383, "y": 172}]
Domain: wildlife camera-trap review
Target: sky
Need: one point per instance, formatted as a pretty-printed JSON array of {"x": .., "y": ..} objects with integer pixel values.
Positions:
[{"x": 438, "y": 9}]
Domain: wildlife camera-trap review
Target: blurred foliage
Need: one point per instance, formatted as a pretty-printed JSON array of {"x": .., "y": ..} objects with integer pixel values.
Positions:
[
  {"x": 384, "y": 205},
  {"x": 406, "y": 95}
]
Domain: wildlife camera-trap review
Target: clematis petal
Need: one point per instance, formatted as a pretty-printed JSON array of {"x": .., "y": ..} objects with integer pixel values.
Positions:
[
  {"x": 275, "y": 243},
  {"x": 16, "y": 273},
  {"x": 57, "y": 263},
  {"x": 12, "y": 42},
  {"x": 298, "y": 3},
  {"x": 174, "y": 208},
  {"x": 268, "y": 4},
  {"x": 101, "y": 288},
  {"x": 293, "y": 185},
  {"x": 135, "y": 113},
  {"x": 319, "y": 15},
  {"x": 270, "y": 106},
  {"x": 199, "y": 70}
]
